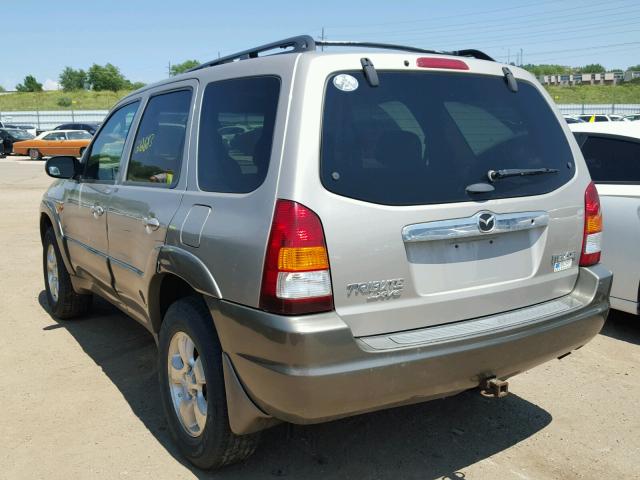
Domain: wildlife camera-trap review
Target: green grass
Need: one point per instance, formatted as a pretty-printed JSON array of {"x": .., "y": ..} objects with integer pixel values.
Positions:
[
  {"x": 88, "y": 100},
  {"x": 80, "y": 100},
  {"x": 622, "y": 93}
]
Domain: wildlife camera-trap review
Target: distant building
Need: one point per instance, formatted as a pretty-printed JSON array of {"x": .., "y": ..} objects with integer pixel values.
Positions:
[
  {"x": 631, "y": 75},
  {"x": 607, "y": 78}
]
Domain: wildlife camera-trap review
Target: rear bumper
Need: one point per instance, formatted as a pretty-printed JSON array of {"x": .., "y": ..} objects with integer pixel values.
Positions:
[{"x": 311, "y": 369}]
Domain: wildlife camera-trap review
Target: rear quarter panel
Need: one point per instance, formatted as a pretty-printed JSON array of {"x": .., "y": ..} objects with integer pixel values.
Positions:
[
  {"x": 234, "y": 235},
  {"x": 621, "y": 238}
]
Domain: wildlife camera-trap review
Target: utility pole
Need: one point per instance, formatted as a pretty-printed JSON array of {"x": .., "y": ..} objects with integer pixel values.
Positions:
[
  {"x": 322, "y": 38},
  {"x": 521, "y": 60},
  {"x": 169, "y": 69},
  {"x": 508, "y": 56}
]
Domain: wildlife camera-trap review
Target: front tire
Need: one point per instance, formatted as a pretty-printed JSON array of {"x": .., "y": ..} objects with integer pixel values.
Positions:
[
  {"x": 192, "y": 388},
  {"x": 64, "y": 302},
  {"x": 34, "y": 153}
]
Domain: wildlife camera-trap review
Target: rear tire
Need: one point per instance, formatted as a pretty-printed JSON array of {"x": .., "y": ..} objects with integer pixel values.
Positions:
[
  {"x": 195, "y": 386},
  {"x": 64, "y": 302},
  {"x": 34, "y": 153}
]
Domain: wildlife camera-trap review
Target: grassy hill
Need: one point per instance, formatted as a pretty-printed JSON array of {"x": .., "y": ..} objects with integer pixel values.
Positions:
[
  {"x": 89, "y": 100},
  {"x": 80, "y": 100},
  {"x": 622, "y": 93}
]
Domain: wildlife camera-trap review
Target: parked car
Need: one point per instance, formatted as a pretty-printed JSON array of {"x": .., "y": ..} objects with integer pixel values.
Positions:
[
  {"x": 408, "y": 226},
  {"x": 573, "y": 119},
  {"x": 55, "y": 142},
  {"x": 88, "y": 127},
  {"x": 612, "y": 153},
  {"x": 27, "y": 128},
  {"x": 8, "y": 136},
  {"x": 594, "y": 118},
  {"x": 632, "y": 117}
]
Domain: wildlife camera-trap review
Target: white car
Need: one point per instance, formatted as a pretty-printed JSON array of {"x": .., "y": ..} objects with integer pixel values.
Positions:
[
  {"x": 601, "y": 117},
  {"x": 612, "y": 153}
]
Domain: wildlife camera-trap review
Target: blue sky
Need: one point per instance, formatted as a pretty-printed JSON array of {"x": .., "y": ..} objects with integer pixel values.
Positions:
[{"x": 142, "y": 37}]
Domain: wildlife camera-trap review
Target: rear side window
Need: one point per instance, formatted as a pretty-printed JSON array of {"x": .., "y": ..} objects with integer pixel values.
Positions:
[
  {"x": 55, "y": 136},
  {"x": 78, "y": 136},
  {"x": 423, "y": 137},
  {"x": 236, "y": 133},
  {"x": 158, "y": 148},
  {"x": 612, "y": 160}
]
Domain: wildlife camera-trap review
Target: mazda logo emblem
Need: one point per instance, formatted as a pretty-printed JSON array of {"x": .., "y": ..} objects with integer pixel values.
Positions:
[{"x": 486, "y": 222}]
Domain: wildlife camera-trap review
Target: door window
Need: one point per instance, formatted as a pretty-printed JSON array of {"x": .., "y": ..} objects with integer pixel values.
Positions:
[
  {"x": 78, "y": 135},
  {"x": 55, "y": 136},
  {"x": 104, "y": 159},
  {"x": 236, "y": 132},
  {"x": 611, "y": 160},
  {"x": 158, "y": 148}
]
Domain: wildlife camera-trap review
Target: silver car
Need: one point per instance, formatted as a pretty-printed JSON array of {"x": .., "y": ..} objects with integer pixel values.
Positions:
[
  {"x": 382, "y": 228},
  {"x": 612, "y": 153}
]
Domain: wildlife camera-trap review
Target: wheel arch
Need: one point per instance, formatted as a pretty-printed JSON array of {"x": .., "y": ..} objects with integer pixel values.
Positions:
[
  {"x": 179, "y": 274},
  {"x": 50, "y": 219}
]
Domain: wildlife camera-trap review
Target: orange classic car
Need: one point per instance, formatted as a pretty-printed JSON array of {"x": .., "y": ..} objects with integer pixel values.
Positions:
[{"x": 55, "y": 142}]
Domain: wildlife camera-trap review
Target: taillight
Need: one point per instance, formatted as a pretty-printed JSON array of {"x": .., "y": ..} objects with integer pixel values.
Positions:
[
  {"x": 450, "y": 63},
  {"x": 592, "y": 239},
  {"x": 296, "y": 276}
]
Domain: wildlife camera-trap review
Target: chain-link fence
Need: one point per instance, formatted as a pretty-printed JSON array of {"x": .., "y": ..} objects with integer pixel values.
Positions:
[
  {"x": 49, "y": 119},
  {"x": 602, "y": 108}
]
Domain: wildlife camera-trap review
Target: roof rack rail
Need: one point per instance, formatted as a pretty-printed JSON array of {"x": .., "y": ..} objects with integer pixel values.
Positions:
[
  {"x": 306, "y": 43},
  {"x": 301, "y": 43}
]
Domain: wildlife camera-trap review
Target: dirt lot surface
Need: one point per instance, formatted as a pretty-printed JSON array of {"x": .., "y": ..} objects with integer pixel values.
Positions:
[{"x": 79, "y": 399}]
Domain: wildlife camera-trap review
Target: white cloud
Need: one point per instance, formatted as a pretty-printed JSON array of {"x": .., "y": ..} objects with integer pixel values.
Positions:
[{"x": 50, "y": 85}]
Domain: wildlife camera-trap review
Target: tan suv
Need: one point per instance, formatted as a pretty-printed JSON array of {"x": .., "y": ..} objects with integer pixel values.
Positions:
[{"x": 377, "y": 229}]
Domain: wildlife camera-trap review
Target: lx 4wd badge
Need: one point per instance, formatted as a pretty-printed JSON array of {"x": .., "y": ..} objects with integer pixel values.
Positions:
[{"x": 377, "y": 289}]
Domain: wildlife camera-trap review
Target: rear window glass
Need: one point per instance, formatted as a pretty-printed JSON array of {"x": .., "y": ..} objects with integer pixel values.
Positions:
[
  {"x": 612, "y": 160},
  {"x": 422, "y": 138},
  {"x": 236, "y": 132}
]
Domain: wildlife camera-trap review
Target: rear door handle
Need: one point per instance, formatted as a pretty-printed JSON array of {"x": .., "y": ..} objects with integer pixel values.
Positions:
[
  {"x": 151, "y": 224},
  {"x": 97, "y": 211}
]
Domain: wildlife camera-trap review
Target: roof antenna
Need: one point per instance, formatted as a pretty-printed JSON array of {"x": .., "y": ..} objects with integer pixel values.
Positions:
[{"x": 370, "y": 72}]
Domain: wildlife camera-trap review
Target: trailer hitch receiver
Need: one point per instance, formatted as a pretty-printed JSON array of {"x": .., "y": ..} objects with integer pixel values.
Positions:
[{"x": 494, "y": 388}]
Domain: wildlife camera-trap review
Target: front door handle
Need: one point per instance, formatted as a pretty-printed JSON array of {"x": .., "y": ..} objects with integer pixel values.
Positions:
[
  {"x": 97, "y": 211},
  {"x": 151, "y": 224}
]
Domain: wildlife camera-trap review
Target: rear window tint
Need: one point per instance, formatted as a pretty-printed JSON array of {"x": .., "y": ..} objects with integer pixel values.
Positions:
[
  {"x": 422, "y": 138},
  {"x": 612, "y": 160},
  {"x": 236, "y": 133}
]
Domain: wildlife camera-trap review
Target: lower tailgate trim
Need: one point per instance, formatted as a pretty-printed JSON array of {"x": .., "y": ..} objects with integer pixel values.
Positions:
[{"x": 471, "y": 328}]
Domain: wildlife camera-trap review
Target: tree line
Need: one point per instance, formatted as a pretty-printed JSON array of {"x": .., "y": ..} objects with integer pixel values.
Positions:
[
  {"x": 551, "y": 69},
  {"x": 97, "y": 78}
]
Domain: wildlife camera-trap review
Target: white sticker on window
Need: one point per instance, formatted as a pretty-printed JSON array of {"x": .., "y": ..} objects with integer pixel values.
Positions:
[{"x": 345, "y": 82}]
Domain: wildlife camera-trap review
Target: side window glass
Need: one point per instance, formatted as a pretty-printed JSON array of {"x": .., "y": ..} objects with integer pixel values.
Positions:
[
  {"x": 55, "y": 136},
  {"x": 236, "y": 133},
  {"x": 104, "y": 160},
  {"x": 158, "y": 148},
  {"x": 612, "y": 160}
]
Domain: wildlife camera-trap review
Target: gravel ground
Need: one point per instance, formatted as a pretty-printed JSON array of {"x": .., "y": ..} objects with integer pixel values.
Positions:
[{"x": 79, "y": 399}]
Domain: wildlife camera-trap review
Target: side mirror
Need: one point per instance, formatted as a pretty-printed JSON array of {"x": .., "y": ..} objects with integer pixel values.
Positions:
[{"x": 62, "y": 167}]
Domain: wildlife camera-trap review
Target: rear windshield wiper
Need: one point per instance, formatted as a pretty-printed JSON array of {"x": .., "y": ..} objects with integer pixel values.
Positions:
[{"x": 518, "y": 172}]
